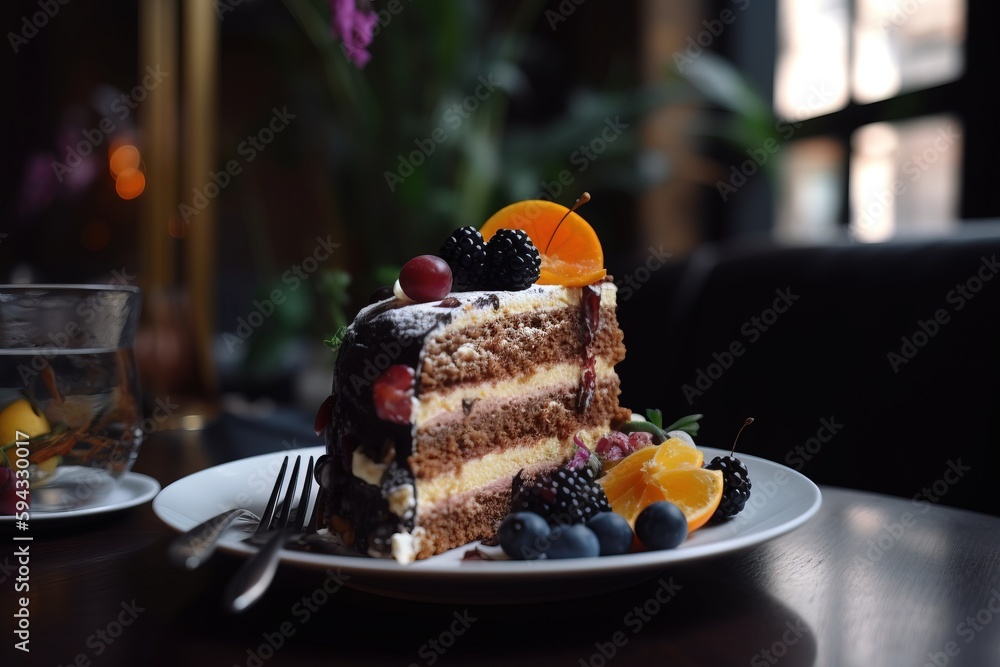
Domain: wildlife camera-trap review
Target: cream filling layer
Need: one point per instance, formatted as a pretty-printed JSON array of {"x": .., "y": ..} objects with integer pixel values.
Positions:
[
  {"x": 545, "y": 300},
  {"x": 433, "y": 406},
  {"x": 495, "y": 465}
]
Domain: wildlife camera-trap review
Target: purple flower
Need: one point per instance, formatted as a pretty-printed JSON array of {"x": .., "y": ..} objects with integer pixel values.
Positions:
[{"x": 354, "y": 25}]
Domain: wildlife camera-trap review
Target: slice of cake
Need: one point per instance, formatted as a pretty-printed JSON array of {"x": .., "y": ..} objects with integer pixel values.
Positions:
[{"x": 436, "y": 406}]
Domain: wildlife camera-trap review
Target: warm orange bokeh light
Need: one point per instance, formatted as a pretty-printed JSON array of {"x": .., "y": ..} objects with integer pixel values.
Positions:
[
  {"x": 130, "y": 184},
  {"x": 122, "y": 159}
]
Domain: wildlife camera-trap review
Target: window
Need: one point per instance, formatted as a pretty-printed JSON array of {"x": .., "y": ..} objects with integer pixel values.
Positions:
[{"x": 876, "y": 85}]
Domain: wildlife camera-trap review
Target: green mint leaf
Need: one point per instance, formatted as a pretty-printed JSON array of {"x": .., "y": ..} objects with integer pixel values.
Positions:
[
  {"x": 688, "y": 424},
  {"x": 655, "y": 416},
  {"x": 334, "y": 341}
]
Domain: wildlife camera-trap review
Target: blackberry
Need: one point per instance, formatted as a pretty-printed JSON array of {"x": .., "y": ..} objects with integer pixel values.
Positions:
[
  {"x": 563, "y": 496},
  {"x": 513, "y": 260},
  {"x": 735, "y": 485},
  {"x": 465, "y": 252}
]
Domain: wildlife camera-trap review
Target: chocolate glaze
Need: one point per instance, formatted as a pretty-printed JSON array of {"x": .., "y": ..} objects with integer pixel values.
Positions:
[{"x": 386, "y": 333}]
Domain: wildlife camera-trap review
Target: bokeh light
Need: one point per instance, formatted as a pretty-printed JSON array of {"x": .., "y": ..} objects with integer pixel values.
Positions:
[
  {"x": 122, "y": 159},
  {"x": 130, "y": 184}
]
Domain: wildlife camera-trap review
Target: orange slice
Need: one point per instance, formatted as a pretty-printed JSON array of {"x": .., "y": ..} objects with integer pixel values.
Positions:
[
  {"x": 670, "y": 471},
  {"x": 572, "y": 256},
  {"x": 696, "y": 491}
]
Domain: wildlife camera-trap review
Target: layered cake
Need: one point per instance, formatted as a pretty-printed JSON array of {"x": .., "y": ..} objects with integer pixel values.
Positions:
[
  {"x": 490, "y": 363},
  {"x": 437, "y": 406}
]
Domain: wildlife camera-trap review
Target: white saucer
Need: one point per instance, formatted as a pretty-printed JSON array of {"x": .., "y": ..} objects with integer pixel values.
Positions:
[{"x": 133, "y": 489}]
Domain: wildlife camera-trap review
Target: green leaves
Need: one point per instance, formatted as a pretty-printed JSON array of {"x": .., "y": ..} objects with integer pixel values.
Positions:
[
  {"x": 334, "y": 341},
  {"x": 654, "y": 425},
  {"x": 688, "y": 424}
]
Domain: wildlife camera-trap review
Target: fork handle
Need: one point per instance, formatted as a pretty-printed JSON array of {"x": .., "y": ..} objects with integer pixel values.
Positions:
[
  {"x": 256, "y": 574},
  {"x": 193, "y": 548}
]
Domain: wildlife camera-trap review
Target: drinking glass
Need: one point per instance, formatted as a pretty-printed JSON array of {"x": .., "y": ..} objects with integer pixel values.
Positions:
[{"x": 70, "y": 410}]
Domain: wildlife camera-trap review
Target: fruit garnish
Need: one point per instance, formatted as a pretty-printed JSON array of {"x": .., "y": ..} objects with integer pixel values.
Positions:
[
  {"x": 662, "y": 525},
  {"x": 688, "y": 424},
  {"x": 669, "y": 471},
  {"x": 659, "y": 436},
  {"x": 573, "y": 541},
  {"x": 560, "y": 497},
  {"x": 735, "y": 478},
  {"x": 392, "y": 393},
  {"x": 425, "y": 278},
  {"x": 582, "y": 457},
  {"x": 523, "y": 535},
  {"x": 512, "y": 260},
  {"x": 465, "y": 253},
  {"x": 324, "y": 415},
  {"x": 613, "y": 533},
  {"x": 571, "y": 253},
  {"x": 19, "y": 417}
]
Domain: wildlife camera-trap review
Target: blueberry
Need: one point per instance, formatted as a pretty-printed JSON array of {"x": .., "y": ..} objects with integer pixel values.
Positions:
[
  {"x": 523, "y": 535},
  {"x": 573, "y": 541},
  {"x": 613, "y": 532},
  {"x": 661, "y": 526}
]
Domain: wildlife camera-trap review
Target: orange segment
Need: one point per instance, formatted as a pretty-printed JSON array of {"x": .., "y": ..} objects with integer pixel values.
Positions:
[
  {"x": 626, "y": 474},
  {"x": 675, "y": 452},
  {"x": 571, "y": 255},
  {"x": 696, "y": 491},
  {"x": 670, "y": 471}
]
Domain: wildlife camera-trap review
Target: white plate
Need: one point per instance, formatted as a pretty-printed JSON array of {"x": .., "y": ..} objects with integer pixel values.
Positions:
[
  {"x": 133, "y": 489},
  {"x": 781, "y": 500}
]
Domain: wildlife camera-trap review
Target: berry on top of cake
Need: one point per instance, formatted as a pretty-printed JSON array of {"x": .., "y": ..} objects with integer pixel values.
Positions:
[{"x": 472, "y": 373}]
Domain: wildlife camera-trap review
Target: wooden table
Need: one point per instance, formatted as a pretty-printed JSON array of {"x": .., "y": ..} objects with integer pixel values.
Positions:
[{"x": 871, "y": 580}]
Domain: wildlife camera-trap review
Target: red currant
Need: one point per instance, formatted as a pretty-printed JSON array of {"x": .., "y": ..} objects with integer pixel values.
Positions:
[
  {"x": 324, "y": 415},
  {"x": 392, "y": 393},
  {"x": 426, "y": 278}
]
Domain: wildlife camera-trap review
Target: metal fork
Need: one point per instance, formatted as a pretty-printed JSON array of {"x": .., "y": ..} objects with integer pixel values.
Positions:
[
  {"x": 192, "y": 549},
  {"x": 253, "y": 578}
]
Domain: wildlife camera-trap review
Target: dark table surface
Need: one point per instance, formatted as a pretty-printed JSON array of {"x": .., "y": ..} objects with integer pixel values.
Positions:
[{"x": 870, "y": 580}]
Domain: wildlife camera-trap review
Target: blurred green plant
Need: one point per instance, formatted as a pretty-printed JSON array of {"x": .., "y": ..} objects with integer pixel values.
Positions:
[{"x": 422, "y": 140}]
